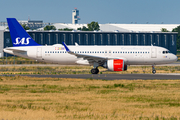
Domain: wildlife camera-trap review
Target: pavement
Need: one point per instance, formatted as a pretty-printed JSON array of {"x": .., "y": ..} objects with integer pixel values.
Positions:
[{"x": 113, "y": 76}]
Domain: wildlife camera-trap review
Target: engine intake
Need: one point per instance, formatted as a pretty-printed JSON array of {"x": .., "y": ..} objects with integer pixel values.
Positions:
[{"x": 115, "y": 65}]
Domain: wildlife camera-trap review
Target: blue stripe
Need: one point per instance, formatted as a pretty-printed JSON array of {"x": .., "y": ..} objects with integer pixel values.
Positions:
[{"x": 67, "y": 49}]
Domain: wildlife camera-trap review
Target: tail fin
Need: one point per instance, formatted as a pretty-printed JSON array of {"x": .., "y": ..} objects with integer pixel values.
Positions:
[{"x": 18, "y": 35}]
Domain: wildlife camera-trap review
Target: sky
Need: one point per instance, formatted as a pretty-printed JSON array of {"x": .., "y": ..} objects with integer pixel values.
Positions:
[{"x": 101, "y": 11}]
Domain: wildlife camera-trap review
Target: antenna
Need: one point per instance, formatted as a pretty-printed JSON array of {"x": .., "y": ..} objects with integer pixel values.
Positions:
[{"x": 28, "y": 17}]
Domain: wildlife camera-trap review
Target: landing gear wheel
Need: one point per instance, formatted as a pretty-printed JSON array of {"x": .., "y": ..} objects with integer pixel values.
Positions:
[
  {"x": 94, "y": 71},
  {"x": 154, "y": 71}
]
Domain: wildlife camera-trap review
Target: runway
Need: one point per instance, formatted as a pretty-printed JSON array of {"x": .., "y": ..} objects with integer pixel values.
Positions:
[{"x": 113, "y": 76}]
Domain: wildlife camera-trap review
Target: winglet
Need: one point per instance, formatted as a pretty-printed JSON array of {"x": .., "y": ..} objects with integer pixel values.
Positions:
[
  {"x": 67, "y": 49},
  {"x": 76, "y": 44}
]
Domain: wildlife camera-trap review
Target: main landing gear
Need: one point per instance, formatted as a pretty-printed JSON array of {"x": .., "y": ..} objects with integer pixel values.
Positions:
[
  {"x": 153, "y": 69},
  {"x": 95, "y": 71}
]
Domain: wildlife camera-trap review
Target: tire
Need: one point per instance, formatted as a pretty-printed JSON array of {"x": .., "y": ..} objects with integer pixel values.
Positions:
[
  {"x": 94, "y": 71},
  {"x": 154, "y": 71}
]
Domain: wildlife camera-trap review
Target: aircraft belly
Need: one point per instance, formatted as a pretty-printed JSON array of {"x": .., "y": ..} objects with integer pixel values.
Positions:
[
  {"x": 140, "y": 59},
  {"x": 60, "y": 59}
]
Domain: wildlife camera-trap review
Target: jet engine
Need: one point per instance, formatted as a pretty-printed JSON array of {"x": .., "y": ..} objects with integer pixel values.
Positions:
[{"x": 115, "y": 65}]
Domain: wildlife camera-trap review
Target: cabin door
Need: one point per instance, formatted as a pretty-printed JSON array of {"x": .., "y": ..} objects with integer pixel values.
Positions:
[
  {"x": 153, "y": 52},
  {"x": 39, "y": 52}
]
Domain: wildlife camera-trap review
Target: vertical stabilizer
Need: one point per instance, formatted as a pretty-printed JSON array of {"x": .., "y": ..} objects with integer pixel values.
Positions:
[{"x": 18, "y": 35}]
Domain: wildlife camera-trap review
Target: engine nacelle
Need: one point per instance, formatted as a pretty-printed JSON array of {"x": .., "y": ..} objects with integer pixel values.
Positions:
[{"x": 115, "y": 65}]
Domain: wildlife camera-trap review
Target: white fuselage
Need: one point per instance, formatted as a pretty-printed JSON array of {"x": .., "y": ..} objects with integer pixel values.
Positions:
[{"x": 132, "y": 55}]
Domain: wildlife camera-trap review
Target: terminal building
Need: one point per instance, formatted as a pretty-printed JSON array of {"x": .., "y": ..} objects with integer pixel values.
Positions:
[
  {"x": 109, "y": 34},
  {"x": 163, "y": 39}
]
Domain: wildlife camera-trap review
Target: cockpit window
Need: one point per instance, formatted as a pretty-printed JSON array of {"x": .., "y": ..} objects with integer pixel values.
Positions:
[{"x": 166, "y": 52}]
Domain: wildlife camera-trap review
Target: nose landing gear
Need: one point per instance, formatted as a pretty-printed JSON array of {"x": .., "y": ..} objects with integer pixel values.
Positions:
[{"x": 153, "y": 69}]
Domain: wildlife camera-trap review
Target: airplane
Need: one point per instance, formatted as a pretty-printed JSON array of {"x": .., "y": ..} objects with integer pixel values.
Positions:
[{"x": 113, "y": 58}]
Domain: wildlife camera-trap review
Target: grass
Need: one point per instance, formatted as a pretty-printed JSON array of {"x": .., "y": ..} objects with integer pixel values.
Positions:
[
  {"x": 62, "y": 98},
  {"x": 178, "y": 57},
  {"x": 56, "y": 70},
  {"x": 18, "y": 60}
]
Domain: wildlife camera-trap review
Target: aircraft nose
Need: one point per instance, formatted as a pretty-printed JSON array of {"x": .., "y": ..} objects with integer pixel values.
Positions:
[{"x": 175, "y": 58}]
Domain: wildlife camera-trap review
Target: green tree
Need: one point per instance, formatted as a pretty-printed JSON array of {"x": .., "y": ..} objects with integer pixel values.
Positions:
[
  {"x": 65, "y": 29},
  {"x": 164, "y": 30},
  {"x": 50, "y": 27},
  {"x": 177, "y": 29},
  {"x": 83, "y": 28},
  {"x": 93, "y": 26},
  {"x": 25, "y": 27}
]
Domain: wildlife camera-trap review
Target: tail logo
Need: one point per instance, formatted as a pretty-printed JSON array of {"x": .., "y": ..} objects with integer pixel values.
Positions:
[{"x": 22, "y": 41}]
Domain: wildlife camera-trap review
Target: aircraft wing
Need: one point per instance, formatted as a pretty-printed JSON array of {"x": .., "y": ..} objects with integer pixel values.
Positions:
[{"x": 90, "y": 58}]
